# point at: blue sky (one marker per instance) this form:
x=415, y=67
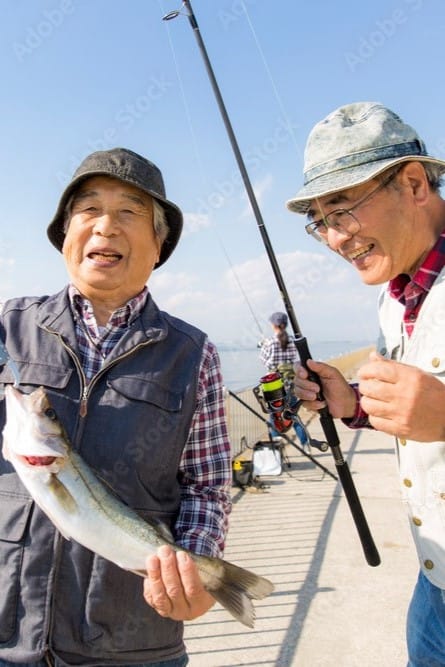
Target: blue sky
x=81, y=75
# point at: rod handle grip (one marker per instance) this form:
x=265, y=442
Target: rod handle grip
x=344, y=474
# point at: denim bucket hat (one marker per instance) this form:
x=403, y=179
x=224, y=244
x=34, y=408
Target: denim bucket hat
x=128, y=167
x=352, y=145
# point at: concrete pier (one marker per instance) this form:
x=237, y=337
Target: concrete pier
x=329, y=607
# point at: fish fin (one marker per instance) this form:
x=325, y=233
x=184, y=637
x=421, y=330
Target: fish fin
x=162, y=529
x=234, y=587
x=62, y=494
x=65, y=498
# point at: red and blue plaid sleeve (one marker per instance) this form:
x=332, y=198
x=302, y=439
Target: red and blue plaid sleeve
x=360, y=418
x=205, y=471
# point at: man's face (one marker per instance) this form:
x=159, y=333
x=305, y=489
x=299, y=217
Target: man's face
x=387, y=239
x=110, y=246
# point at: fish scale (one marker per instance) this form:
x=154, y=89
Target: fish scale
x=83, y=509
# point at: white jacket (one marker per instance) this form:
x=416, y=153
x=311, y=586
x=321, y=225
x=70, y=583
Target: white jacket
x=421, y=464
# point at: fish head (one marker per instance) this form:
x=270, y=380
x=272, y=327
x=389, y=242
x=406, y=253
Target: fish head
x=33, y=437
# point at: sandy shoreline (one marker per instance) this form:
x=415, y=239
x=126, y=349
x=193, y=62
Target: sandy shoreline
x=349, y=363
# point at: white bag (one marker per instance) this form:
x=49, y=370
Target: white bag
x=267, y=459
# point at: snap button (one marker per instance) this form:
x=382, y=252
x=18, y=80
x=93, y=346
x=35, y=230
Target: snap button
x=435, y=361
x=428, y=564
x=407, y=482
x=402, y=441
x=417, y=521
x=383, y=351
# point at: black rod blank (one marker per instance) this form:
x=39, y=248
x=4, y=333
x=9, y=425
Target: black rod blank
x=326, y=420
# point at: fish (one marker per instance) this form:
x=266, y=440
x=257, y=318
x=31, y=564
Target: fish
x=83, y=508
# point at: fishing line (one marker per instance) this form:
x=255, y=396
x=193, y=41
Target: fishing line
x=326, y=419
x=235, y=275
x=204, y=178
x=184, y=100
x=271, y=79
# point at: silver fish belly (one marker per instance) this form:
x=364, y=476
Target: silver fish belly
x=83, y=509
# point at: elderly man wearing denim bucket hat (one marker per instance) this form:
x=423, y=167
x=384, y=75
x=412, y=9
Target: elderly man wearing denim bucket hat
x=140, y=394
x=371, y=193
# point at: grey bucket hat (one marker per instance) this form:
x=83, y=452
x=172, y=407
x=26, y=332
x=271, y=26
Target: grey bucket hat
x=352, y=145
x=129, y=167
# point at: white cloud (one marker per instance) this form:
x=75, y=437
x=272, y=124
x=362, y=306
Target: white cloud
x=194, y=222
x=327, y=296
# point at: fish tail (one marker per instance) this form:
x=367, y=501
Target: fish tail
x=234, y=587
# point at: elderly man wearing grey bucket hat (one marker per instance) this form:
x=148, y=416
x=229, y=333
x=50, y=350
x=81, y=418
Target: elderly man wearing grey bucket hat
x=371, y=193
x=139, y=393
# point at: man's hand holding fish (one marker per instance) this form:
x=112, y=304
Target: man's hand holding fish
x=115, y=443
x=173, y=586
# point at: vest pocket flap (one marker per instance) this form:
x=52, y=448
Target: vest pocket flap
x=37, y=374
x=140, y=389
x=6, y=376
x=14, y=516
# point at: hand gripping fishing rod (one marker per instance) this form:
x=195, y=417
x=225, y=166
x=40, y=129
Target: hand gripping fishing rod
x=326, y=420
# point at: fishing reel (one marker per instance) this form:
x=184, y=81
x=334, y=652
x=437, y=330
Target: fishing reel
x=276, y=398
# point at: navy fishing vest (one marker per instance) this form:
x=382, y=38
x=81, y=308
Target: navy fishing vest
x=130, y=425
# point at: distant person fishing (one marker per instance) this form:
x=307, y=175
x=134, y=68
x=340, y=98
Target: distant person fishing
x=279, y=354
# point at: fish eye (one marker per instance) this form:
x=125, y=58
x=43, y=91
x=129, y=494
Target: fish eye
x=51, y=414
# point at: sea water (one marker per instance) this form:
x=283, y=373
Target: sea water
x=241, y=367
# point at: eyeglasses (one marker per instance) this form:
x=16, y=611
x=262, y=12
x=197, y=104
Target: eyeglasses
x=342, y=219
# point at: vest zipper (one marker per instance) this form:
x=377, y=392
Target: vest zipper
x=86, y=387
x=83, y=402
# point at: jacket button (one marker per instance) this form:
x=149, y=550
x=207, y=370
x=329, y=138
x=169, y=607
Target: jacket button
x=383, y=351
x=435, y=362
x=428, y=564
x=407, y=482
x=417, y=521
x=402, y=441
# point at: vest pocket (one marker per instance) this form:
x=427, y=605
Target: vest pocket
x=117, y=618
x=13, y=520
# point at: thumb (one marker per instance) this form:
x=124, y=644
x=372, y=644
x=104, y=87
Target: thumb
x=322, y=369
x=376, y=356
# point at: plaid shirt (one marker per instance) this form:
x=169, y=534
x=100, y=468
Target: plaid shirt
x=205, y=467
x=411, y=293
x=272, y=355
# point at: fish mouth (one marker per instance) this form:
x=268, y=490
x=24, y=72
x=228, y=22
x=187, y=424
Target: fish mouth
x=39, y=460
x=49, y=464
x=361, y=252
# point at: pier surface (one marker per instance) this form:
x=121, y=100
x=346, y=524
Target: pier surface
x=329, y=607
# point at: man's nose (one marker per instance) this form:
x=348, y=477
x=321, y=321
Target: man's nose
x=337, y=236
x=106, y=224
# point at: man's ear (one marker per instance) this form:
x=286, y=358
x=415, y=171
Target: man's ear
x=414, y=177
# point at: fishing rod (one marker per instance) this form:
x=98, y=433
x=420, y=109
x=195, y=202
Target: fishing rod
x=326, y=420
x=283, y=435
